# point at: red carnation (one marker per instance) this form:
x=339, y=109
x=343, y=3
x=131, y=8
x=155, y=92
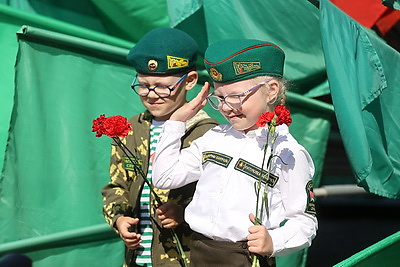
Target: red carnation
x=112, y=126
x=97, y=125
x=117, y=126
x=283, y=115
x=264, y=118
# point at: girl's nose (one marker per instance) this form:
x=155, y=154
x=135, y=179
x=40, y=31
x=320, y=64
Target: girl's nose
x=223, y=107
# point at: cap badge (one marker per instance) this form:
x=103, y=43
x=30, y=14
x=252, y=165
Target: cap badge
x=152, y=65
x=215, y=75
x=245, y=67
x=177, y=62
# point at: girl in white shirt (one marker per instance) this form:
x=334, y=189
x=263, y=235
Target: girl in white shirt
x=227, y=160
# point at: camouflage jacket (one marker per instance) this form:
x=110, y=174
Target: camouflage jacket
x=122, y=194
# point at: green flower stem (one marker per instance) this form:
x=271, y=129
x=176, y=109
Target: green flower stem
x=256, y=262
x=258, y=215
x=264, y=198
x=259, y=212
x=130, y=155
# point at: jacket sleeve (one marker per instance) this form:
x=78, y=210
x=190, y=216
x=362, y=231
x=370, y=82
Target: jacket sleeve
x=121, y=193
x=115, y=193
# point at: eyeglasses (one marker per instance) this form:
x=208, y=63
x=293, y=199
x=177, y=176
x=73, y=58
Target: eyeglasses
x=232, y=101
x=161, y=90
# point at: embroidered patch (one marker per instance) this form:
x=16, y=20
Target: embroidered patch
x=217, y=158
x=215, y=75
x=245, y=67
x=177, y=62
x=310, y=208
x=255, y=172
x=128, y=164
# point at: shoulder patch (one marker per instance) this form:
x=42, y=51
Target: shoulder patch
x=255, y=172
x=310, y=208
x=128, y=163
x=217, y=158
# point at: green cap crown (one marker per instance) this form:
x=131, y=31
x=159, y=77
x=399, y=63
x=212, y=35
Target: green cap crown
x=238, y=59
x=164, y=51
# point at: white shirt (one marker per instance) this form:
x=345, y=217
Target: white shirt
x=223, y=162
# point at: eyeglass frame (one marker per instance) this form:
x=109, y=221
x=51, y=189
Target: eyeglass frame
x=223, y=99
x=172, y=88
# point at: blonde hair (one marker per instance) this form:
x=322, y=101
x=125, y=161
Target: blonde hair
x=280, y=98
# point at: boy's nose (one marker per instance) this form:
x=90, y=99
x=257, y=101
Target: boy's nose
x=152, y=94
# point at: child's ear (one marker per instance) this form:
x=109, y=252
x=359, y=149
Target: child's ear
x=191, y=80
x=273, y=90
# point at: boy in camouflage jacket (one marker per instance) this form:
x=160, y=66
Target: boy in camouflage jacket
x=158, y=66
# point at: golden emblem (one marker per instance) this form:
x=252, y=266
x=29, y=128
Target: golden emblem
x=215, y=75
x=152, y=65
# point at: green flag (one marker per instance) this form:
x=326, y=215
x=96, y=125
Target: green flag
x=298, y=36
x=54, y=166
x=363, y=73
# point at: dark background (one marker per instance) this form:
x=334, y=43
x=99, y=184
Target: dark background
x=348, y=224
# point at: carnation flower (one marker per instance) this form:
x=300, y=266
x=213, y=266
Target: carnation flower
x=283, y=115
x=111, y=126
x=265, y=118
x=279, y=116
x=118, y=127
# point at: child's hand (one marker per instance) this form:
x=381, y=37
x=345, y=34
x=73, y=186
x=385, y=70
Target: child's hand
x=131, y=239
x=170, y=214
x=188, y=110
x=259, y=241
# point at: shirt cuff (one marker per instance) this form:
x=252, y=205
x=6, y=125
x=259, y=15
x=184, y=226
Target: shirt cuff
x=278, y=241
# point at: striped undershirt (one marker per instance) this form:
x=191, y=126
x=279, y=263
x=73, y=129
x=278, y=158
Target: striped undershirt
x=143, y=252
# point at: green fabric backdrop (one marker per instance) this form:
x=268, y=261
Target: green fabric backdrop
x=209, y=21
x=364, y=76
x=54, y=167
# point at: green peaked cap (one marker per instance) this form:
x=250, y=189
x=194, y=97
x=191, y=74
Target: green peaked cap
x=234, y=60
x=164, y=51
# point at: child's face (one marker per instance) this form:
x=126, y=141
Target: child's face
x=253, y=103
x=162, y=108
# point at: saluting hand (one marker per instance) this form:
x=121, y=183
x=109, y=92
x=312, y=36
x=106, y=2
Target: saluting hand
x=188, y=110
